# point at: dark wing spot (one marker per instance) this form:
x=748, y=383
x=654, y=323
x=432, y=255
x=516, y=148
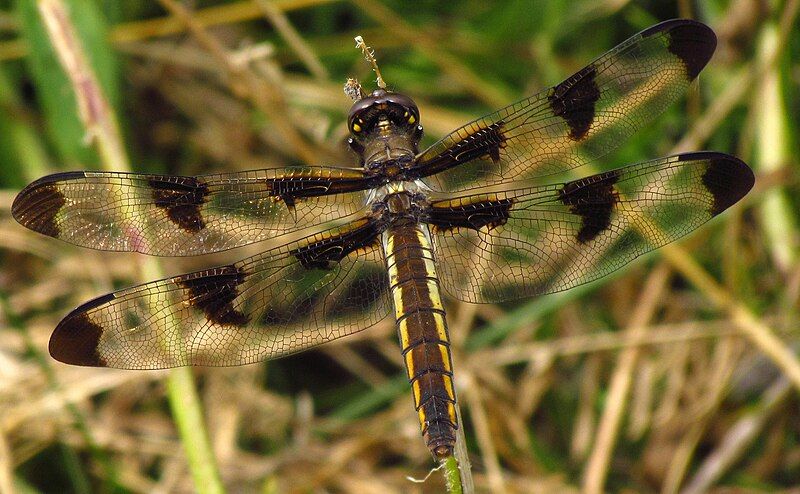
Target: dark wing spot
x=591, y=198
x=324, y=253
x=691, y=41
x=728, y=179
x=489, y=213
x=291, y=188
x=76, y=338
x=486, y=141
x=37, y=206
x=181, y=198
x=574, y=101
x=213, y=292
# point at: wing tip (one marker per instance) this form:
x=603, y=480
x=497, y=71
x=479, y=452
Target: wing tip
x=726, y=177
x=37, y=205
x=76, y=338
x=691, y=41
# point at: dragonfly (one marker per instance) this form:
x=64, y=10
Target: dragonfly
x=491, y=212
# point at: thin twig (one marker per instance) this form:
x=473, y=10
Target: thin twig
x=369, y=56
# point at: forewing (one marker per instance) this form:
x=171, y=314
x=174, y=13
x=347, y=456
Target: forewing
x=579, y=120
x=521, y=243
x=276, y=303
x=174, y=215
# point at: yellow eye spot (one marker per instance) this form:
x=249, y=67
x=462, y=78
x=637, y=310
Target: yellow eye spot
x=411, y=119
x=405, y=114
x=356, y=127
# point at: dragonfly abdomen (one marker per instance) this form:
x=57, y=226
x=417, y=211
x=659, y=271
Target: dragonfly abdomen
x=422, y=329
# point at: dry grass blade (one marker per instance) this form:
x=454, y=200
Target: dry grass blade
x=102, y=128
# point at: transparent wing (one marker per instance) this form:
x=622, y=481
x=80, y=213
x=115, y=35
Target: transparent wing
x=276, y=303
x=521, y=243
x=581, y=119
x=175, y=216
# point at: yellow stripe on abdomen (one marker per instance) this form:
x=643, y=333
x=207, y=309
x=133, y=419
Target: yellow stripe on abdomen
x=422, y=329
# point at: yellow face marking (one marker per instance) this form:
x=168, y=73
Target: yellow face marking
x=411, y=120
x=356, y=127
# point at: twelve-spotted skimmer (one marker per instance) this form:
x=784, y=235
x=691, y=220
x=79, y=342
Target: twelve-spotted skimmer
x=460, y=215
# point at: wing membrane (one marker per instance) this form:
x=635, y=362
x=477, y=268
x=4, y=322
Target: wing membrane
x=526, y=242
x=583, y=118
x=175, y=216
x=276, y=303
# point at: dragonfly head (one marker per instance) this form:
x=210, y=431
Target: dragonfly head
x=383, y=116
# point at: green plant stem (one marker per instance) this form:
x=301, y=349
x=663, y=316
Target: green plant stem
x=452, y=476
x=186, y=411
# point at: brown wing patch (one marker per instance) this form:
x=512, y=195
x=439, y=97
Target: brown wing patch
x=295, y=186
x=694, y=43
x=728, y=179
x=583, y=118
x=76, y=338
x=181, y=198
x=325, y=252
x=574, y=100
x=37, y=206
x=214, y=291
x=475, y=142
x=474, y=212
x=593, y=199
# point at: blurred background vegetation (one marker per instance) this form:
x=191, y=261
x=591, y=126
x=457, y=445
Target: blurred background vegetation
x=677, y=377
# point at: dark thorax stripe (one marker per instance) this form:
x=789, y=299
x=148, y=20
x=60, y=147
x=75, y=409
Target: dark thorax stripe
x=422, y=329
